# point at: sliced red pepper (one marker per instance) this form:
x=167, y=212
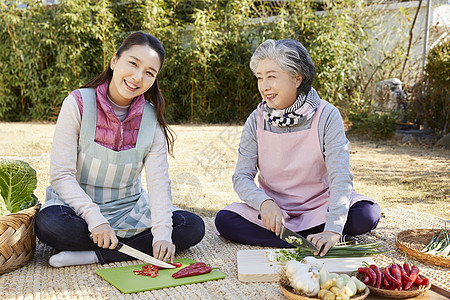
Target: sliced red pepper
x=154, y=273
x=148, y=270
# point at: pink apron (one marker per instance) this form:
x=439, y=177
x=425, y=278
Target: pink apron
x=293, y=173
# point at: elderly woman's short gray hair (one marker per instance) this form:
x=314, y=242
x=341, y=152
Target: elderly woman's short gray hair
x=291, y=56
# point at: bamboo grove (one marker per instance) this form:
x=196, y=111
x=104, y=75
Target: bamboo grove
x=46, y=51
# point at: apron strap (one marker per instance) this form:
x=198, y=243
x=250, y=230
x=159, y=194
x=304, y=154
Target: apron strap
x=89, y=120
x=147, y=127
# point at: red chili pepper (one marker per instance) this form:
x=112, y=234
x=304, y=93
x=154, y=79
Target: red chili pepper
x=137, y=272
x=405, y=277
x=397, y=274
x=386, y=284
x=197, y=264
x=420, y=280
x=407, y=268
x=192, y=267
x=366, y=279
x=392, y=279
x=176, y=265
x=369, y=272
x=413, y=276
x=377, y=274
x=406, y=281
x=192, y=271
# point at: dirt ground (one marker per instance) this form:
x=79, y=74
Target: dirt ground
x=414, y=176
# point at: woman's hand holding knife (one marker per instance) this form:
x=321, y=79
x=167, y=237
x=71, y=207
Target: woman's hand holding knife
x=104, y=236
x=271, y=216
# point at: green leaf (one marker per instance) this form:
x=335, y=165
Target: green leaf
x=17, y=182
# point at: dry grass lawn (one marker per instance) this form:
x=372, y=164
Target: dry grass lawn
x=395, y=174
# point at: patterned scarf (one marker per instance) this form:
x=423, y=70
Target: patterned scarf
x=304, y=107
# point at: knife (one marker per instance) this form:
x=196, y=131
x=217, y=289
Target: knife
x=121, y=247
x=296, y=239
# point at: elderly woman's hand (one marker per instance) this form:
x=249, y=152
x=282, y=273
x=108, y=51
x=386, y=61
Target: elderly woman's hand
x=271, y=216
x=326, y=239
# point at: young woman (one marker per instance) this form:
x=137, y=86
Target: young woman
x=297, y=143
x=106, y=134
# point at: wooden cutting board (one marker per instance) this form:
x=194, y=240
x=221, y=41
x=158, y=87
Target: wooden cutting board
x=126, y=281
x=254, y=266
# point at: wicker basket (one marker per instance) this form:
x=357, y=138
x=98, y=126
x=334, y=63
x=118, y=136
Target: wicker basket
x=411, y=293
x=17, y=239
x=414, y=240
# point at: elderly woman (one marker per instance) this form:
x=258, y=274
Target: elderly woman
x=297, y=143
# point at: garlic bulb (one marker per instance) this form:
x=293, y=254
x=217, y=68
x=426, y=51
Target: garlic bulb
x=314, y=262
x=303, y=278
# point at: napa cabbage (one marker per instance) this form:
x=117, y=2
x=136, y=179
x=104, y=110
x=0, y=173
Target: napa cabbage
x=18, y=181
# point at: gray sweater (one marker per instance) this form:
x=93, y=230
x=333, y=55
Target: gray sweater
x=335, y=149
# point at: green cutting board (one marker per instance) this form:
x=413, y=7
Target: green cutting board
x=126, y=281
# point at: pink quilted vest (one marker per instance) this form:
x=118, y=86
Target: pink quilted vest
x=110, y=132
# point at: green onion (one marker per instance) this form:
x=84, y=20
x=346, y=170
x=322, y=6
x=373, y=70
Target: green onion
x=439, y=244
x=358, y=250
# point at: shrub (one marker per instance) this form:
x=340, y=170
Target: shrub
x=374, y=125
x=47, y=51
x=430, y=96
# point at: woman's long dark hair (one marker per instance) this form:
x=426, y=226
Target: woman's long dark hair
x=153, y=94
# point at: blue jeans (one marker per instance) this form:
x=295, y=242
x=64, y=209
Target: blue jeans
x=61, y=228
x=363, y=216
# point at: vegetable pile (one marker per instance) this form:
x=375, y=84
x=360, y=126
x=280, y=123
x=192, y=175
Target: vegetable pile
x=311, y=279
x=358, y=250
x=17, y=183
x=392, y=277
x=439, y=244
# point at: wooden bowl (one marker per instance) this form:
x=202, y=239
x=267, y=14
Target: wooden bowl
x=289, y=293
x=412, y=242
x=414, y=291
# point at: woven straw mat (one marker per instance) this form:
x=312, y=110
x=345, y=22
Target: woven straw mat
x=37, y=280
